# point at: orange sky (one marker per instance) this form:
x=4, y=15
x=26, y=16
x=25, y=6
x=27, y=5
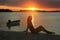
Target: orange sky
x=26, y=6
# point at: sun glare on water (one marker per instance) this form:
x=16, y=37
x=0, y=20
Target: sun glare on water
x=33, y=13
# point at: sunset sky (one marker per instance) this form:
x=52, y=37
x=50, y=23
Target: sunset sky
x=27, y=4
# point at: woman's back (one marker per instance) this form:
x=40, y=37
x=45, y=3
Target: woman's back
x=29, y=24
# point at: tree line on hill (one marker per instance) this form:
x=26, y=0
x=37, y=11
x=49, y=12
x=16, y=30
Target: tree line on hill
x=8, y=10
x=5, y=10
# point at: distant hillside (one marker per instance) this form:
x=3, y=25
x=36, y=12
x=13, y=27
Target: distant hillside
x=5, y=10
x=39, y=11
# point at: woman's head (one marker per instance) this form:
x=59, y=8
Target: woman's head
x=29, y=18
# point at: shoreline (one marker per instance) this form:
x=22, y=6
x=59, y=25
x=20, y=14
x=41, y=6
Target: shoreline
x=12, y=35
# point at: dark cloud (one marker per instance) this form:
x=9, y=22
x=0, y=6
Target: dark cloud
x=49, y=3
x=11, y=2
x=42, y=3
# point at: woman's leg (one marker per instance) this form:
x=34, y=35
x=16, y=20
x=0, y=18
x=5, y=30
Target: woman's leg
x=41, y=28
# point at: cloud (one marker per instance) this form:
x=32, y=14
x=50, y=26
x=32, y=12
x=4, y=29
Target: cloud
x=11, y=2
x=49, y=3
x=41, y=3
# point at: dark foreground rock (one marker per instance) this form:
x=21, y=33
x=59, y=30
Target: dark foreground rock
x=10, y=35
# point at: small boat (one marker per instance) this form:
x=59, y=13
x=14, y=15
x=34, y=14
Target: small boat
x=13, y=23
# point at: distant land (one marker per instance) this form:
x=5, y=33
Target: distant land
x=39, y=11
x=8, y=10
x=5, y=10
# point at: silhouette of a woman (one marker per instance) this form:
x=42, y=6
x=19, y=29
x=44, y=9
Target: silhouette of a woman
x=35, y=30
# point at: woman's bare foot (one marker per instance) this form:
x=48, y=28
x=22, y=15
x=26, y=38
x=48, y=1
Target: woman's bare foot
x=50, y=32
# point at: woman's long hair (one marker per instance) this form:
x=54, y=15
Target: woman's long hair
x=29, y=18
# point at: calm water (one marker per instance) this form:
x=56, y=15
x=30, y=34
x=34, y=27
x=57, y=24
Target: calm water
x=50, y=20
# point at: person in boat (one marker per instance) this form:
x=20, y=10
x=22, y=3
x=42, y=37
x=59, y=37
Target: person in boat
x=35, y=30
